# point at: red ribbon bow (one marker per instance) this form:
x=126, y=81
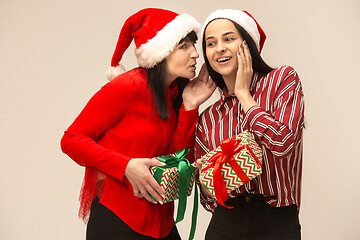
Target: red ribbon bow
x=229, y=149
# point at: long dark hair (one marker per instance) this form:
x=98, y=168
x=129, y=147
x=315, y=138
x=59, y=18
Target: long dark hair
x=156, y=80
x=258, y=64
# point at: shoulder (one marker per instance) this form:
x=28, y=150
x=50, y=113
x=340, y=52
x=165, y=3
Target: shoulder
x=125, y=86
x=131, y=80
x=280, y=77
x=283, y=72
x=286, y=80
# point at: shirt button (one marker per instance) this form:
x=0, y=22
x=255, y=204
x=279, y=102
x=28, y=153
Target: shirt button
x=234, y=133
x=236, y=114
x=248, y=199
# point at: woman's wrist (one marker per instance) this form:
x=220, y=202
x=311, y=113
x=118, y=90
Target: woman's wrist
x=189, y=105
x=242, y=94
x=205, y=191
x=245, y=99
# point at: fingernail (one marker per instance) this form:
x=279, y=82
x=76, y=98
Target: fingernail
x=245, y=43
x=163, y=196
x=241, y=45
x=155, y=202
x=161, y=202
x=238, y=53
x=203, y=160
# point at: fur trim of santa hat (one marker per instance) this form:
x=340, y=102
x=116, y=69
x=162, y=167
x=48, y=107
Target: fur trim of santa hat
x=244, y=19
x=155, y=32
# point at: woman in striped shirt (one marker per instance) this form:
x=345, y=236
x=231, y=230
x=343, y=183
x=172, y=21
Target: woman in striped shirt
x=269, y=104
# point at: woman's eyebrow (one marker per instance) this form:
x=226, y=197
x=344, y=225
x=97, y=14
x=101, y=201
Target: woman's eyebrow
x=228, y=33
x=210, y=37
x=225, y=34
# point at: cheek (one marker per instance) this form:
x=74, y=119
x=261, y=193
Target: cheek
x=176, y=66
x=178, y=61
x=209, y=55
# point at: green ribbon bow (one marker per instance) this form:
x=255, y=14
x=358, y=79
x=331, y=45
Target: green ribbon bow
x=186, y=171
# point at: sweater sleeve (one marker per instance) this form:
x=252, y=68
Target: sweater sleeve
x=106, y=107
x=279, y=130
x=184, y=136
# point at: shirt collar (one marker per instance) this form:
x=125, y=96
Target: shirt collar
x=224, y=96
x=173, y=90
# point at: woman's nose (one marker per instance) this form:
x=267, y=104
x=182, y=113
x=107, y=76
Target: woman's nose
x=220, y=47
x=194, y=53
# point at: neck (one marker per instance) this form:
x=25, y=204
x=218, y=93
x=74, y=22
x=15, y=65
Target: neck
x=230, y=82
x=168, y=81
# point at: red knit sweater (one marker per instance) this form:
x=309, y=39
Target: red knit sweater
x=119, y=123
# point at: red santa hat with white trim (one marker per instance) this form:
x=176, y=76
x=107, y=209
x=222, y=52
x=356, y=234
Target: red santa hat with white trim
x=155, y=32
x=244, y=19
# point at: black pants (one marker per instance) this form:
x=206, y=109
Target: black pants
x=105, y=225
x=252, y=218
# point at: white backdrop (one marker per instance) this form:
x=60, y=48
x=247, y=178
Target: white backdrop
x=53, y=55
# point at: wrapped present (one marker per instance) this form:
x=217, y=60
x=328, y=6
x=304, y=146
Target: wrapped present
x=177, y=179
x=235, y=162
x=169, y=176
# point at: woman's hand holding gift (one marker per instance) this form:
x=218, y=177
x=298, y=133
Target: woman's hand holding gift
x=143, y=183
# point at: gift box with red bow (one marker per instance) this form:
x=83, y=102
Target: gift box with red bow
x=235, y=162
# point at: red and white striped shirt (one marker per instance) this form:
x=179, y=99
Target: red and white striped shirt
x=277, y=126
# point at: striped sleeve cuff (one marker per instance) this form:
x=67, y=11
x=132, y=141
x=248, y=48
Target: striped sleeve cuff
x=251, y=116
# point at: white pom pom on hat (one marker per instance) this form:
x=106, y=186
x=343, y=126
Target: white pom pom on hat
x=244, y=19
x=155, y=32
x=113, y=72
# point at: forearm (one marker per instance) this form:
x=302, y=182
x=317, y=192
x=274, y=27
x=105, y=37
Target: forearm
x=276, y=135
x=208, y=202
x=245, y=99
x=86, y=152
x=278, y=119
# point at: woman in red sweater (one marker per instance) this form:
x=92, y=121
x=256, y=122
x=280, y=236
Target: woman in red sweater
x=139, y=115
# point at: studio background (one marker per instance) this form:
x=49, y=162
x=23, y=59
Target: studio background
x=53, y=55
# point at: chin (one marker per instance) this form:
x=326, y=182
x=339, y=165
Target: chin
x=225, y=71
x=189, y=75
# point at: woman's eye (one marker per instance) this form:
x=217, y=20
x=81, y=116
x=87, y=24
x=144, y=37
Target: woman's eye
x=210, y=44
x=229, y=39
x=183, y=46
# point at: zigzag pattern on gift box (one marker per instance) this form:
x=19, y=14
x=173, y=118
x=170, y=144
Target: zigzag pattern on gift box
x=255, y=147
x=207, y=178
x=170, y=180
x=211, y=153
x=247, y=164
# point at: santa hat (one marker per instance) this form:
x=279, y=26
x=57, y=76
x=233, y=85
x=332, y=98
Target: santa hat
x=244, y=19
x=155, y=32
